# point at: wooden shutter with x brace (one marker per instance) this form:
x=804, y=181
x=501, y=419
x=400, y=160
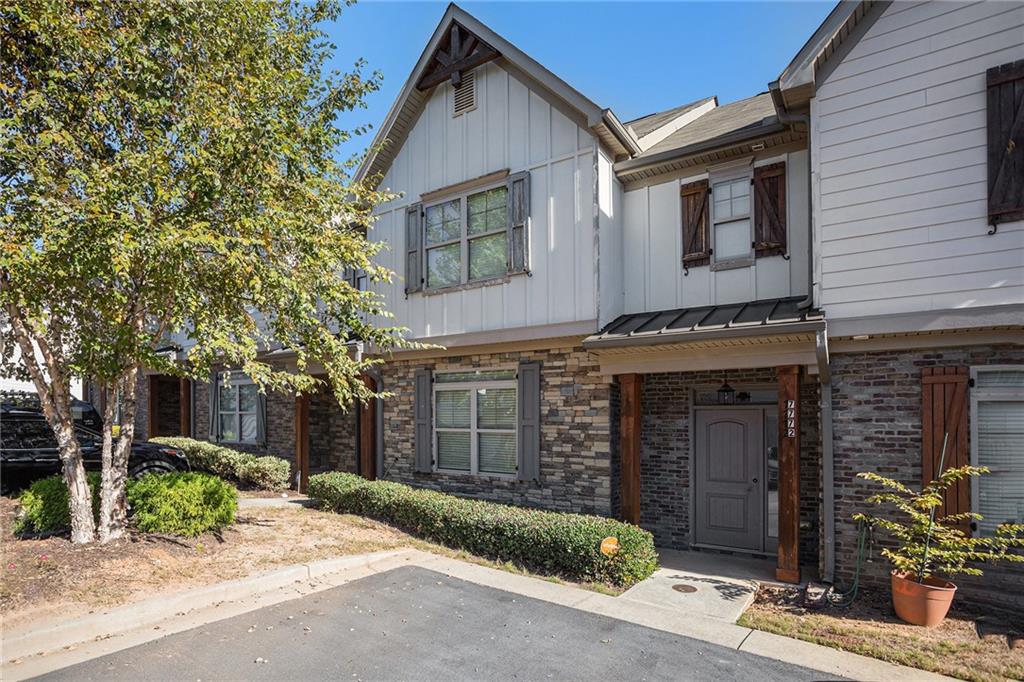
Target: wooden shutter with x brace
x=695, y=224
x=770, y=210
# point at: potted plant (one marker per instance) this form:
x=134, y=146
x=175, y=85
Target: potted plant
x=928, y=545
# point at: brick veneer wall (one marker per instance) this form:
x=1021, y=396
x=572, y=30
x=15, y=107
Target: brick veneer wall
x=332, y=434
x=575, y=448
x=665, y=467
x=876, y=400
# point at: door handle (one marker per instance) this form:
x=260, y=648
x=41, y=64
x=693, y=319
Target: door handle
x=755, y=480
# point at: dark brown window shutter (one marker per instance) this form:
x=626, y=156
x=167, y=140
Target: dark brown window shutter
x=1005, y=143
x=770, y=210
x=695, y=224
x=944, y=409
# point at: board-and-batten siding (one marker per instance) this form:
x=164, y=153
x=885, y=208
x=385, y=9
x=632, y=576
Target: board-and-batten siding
x=515, y=128
x=652, y=250
x=899, y=139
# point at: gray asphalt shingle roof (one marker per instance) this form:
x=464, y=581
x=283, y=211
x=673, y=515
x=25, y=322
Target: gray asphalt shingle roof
x=728, y=118
x=645, y=125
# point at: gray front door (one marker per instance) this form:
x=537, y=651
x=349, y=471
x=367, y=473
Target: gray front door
x=729, y=453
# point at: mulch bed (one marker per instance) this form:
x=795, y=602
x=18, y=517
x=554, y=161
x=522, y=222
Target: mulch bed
x=972, y=643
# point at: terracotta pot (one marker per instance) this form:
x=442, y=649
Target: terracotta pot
x=921, y=603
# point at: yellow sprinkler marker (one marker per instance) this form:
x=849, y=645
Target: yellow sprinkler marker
x=610, y=546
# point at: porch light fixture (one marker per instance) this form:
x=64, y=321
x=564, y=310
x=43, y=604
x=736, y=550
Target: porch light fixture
x=726, y=393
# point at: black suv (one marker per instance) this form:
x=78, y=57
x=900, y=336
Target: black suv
x=28, y=449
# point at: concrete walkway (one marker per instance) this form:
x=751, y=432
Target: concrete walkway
x=293, y=500
x=718, y=586
x=62, y=643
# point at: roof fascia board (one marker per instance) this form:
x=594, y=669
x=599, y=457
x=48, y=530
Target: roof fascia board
x=658, y=134
x=721, y=141
x=800, y=69
x=628, y=140
x=872, y=14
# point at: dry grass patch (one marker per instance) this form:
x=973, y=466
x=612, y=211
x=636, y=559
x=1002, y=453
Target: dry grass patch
x=969, y=644
x=49, y=576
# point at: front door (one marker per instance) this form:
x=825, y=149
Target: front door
x=728, y=491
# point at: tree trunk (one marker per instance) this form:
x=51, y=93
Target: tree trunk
x=113, y=499
x=83, y=528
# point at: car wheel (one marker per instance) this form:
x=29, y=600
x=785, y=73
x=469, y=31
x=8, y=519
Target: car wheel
x=153, y=466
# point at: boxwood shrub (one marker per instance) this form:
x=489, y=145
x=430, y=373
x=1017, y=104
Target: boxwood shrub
x=188, y=504
x=45, y=506
x=265, y=473
x=549, y=542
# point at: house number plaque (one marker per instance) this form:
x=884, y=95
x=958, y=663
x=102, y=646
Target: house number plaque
x=790, y=419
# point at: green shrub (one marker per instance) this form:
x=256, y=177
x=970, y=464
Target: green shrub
x=181, y=503
x=45, y=507
x=267, y=473
x=551, y=542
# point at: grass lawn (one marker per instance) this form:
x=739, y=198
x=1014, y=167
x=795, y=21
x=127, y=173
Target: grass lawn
x=50, y=576
x=969, y=644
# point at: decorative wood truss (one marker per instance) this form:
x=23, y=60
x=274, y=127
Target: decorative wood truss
x=459, y=51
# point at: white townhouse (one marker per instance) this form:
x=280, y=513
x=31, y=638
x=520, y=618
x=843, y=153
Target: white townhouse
x=707, y=320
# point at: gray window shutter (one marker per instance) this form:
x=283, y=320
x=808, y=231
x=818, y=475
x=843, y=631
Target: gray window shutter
x=529, y=421
x=518, y=222
x=214, y=405
x=413, y=248
x=261, y=418
x=422, y=408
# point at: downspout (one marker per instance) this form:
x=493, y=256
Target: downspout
x=789, y=118
x=827, y=456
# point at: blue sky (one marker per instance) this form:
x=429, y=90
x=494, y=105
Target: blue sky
x=633, y=57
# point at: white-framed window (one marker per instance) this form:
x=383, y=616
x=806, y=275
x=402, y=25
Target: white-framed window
x=997, y=435
x=731, y=232
x=237, y=408
x=475, y=417
x=466, y=238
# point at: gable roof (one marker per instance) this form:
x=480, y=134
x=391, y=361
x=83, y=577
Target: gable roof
x=848, y=21
x=648, y=124
x=411, y=99
x=730, y=118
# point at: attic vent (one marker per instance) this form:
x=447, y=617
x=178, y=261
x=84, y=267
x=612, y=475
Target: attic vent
x=465, y=94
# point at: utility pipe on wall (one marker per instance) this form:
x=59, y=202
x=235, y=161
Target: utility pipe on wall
x=827, y=457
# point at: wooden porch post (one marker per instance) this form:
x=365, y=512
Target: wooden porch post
x=185, y=406
x=368, y=433
x=788, y=569
x=153, y=425
x=629, y=433
x=302, y=440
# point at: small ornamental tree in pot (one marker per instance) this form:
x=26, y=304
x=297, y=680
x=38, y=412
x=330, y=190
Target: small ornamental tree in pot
x=929, y=545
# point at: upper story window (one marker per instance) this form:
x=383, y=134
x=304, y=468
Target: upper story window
x=731, y=238
x=477, y=234
x=734, y=217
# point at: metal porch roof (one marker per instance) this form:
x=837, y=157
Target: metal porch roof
x=756, y=318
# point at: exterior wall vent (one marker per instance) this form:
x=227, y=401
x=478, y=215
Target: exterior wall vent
x=465, y=94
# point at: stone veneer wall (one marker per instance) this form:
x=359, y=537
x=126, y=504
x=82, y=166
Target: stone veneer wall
x=575, y=448
x=876, y=400
x=665, y=471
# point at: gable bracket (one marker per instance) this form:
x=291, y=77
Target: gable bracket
x=461, y=51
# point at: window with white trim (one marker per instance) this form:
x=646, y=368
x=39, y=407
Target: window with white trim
x=466, y=238
x=730, y=219
x=239, y=403
x=997, y=432
x=475, y=422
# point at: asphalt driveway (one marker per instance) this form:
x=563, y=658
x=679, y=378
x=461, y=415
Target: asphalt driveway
x=414, y=624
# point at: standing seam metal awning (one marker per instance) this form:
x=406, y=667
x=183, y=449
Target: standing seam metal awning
x=756, y=318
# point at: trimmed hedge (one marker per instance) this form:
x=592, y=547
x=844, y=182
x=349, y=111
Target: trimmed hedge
x=45, y=505
x=178, y=504
x=551, y=542
x=186, y=504
x=265, y=473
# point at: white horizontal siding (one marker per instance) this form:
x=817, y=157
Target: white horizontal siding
x=652, y=251
x=515, y=128
x=899, y=138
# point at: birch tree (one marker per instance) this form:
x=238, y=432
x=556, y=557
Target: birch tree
x=168, y=169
